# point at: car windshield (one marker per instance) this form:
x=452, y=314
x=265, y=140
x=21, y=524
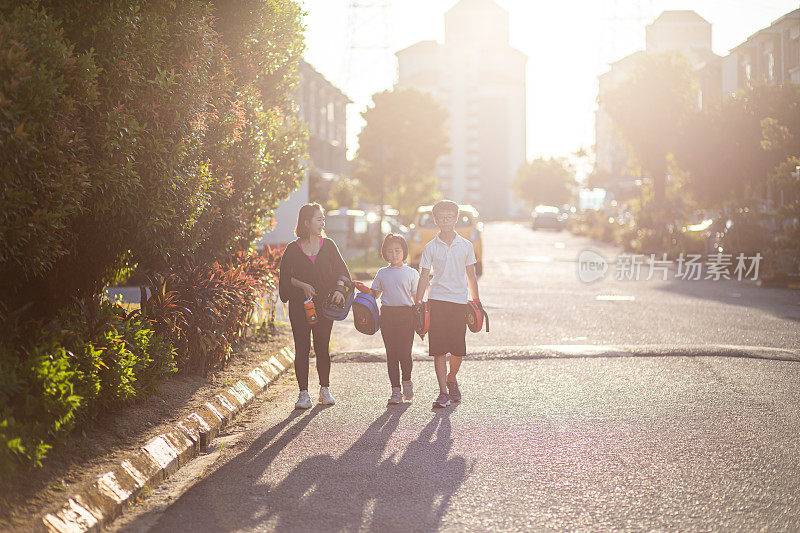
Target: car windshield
x=426, y=220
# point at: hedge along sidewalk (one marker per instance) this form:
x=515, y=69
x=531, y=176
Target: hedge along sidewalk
x=163, y=455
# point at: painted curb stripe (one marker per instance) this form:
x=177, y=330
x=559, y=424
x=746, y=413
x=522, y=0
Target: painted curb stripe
x=164, y=454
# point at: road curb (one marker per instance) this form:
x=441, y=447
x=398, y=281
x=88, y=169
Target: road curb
x=567, y=351
x=162, y=456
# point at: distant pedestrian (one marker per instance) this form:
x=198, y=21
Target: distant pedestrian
x=396, y=285
x=451, y=259
x=310, y=268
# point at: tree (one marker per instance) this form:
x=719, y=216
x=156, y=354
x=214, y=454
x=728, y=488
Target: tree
x=185, y=143
x=730, y=147
x=545, y=182
x=599, y=178
x=45, y=93
x=781, y=139
x=402, y=139
x=787, y=184
x=259, y=159
x=649, y=108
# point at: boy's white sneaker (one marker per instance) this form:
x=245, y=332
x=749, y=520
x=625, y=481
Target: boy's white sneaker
x=442, y=401
x=325, y=397
x=303, y=400
x=396, y=397
x=408, y=390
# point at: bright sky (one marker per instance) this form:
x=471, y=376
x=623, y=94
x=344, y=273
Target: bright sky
x=568, y=45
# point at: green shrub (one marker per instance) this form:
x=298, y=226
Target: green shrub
x=92, y=359
x=133, y=134
x=37, y=403
x=46, y=91
x=625, y=236
x=188, y=145
x=599, y=226
x=162, y=77
x=204, y=308
x=689, y=242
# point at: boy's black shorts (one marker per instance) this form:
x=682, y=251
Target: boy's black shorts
x=448, y=329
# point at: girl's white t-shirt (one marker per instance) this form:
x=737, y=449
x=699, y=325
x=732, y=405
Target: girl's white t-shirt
x=398, y=285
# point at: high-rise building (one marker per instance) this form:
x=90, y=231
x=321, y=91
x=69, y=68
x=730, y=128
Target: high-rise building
x=480, y=80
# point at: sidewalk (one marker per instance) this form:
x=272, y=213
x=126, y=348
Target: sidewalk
x=91, y=452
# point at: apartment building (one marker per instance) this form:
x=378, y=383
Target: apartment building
x=480, y=79
x=322, y=107
x=770, y=56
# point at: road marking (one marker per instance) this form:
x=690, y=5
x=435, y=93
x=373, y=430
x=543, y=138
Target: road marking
x=538, y=259
x=560, y=245
x=505, y=269
x=614, y=298
x=736, y=295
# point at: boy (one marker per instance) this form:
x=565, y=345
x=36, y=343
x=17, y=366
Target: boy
x=451, y=258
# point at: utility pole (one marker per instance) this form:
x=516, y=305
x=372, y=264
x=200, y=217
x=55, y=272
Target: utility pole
x=382, y=192
x=368, y=62
x=623, y=27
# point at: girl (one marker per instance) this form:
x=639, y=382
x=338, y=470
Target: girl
x=396, y=285
x=310, y=268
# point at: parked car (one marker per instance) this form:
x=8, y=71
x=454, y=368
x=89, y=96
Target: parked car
x=424, y=229
x=548, y=217
x=355, y=230
x=349, y=228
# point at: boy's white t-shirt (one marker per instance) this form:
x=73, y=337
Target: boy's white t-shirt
x=448, y=264
x=398, y=285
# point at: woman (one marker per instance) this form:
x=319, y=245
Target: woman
x=310, y=268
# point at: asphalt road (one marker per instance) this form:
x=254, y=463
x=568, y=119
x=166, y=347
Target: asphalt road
x=533, y=295
x=656, y=427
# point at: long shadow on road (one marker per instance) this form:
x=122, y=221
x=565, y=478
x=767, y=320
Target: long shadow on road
x=781, y=303
x=361, y=488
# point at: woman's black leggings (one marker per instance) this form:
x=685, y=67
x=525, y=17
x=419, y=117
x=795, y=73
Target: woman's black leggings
x=397, y=330
x=302, y=333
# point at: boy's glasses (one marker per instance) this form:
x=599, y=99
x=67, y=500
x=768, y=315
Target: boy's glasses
x=446, y=218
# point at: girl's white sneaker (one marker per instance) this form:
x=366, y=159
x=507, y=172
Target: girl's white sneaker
x=396, y=397
x=408, y=390
x=303, y=400
x=325, y=397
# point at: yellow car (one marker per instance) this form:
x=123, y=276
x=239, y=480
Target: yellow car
x=424, y=229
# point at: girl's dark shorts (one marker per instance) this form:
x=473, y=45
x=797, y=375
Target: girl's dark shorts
x=448, y=329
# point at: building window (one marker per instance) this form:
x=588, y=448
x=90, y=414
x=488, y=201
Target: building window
x=770, y=66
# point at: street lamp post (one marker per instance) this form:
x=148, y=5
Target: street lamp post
x=795, y=175
x=381, y=194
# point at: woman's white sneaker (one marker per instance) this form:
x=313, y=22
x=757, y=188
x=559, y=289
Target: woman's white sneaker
x=396, y=397
x=408, y=390
x=303, y=400
x=325, y=397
